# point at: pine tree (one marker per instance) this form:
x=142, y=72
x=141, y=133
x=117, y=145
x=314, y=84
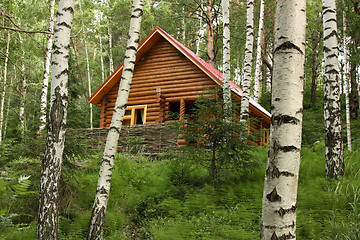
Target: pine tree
x=281, y=179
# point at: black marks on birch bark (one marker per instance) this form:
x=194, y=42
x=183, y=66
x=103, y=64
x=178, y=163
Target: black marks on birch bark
x=65, y=24
x=288, y=45
x=273, y=196
x=282, y=237
x=63, y=72
x=70, y=9
x=276, y=173
x=283, y=211
x=332, y=34
x=57, y=115
x=280, y=119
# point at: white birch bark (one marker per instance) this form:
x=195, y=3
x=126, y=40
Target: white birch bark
x=87, y=68
x=101, y=60
x=281, y=179
x=13, y=76
x=48, y=214
x=346, y=85
x=332, y=115
x=103, y=187
x=258, y=52
x=226, y=61
x=23, y=90
x=47, y=58
x=111, y=61
x=244, y=112
x=4, y=85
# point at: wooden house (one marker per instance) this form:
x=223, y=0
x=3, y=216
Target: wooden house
x=167, y=77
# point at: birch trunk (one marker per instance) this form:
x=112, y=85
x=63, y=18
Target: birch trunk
x=87, y=69
x=47, y=58
x=244, y=112
x=13, y=76
x=332, y=115
x=210, y=34
x=101, y=60
x=103, y=187
x=258, y=52
x=346, y=85
x=23, y=90
x=4, y=85
x=226, y=62
x=48, y=214
x=111, y=61
x=281, y=179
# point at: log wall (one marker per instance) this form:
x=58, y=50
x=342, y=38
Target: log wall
x=166, y=68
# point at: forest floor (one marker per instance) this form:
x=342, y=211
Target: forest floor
x=171, y=198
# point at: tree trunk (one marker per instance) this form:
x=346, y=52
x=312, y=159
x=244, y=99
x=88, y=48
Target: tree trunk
x=210, y=34
x=244, y=112
x=48, y=214
x=47, y=58
x=101, y=60
x=258, y=52
x=315, y=38
x=103, y=187
x=4, y=85
x=87, y=69
x=354, y=93
x=226, y=62
x=23, y=91
x=281, y=179
x=332, y=114
x=111, y=61
x=200, y=34
x=346, y=85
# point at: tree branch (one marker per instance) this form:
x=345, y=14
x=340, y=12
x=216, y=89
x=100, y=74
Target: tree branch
x=24, y=31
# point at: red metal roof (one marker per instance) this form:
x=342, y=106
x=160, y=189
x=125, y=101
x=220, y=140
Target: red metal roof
x=156, y=34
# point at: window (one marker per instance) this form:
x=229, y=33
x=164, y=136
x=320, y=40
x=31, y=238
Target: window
x=135, y=115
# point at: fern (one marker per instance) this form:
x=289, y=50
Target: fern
x=23, y=185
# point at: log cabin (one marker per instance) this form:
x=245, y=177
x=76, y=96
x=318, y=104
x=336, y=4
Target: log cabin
x=168, y=77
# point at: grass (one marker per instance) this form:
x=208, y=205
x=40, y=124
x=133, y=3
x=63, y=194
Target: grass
x=171, y=199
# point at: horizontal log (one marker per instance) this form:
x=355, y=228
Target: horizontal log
x=177, y=79
x=169, y=65
x=181, y=72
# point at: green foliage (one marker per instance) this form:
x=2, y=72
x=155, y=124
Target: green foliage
x=220, y=144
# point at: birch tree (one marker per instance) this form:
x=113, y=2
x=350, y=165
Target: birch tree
x=111, y=61
x=47, y=58
x=281, y=179
x=332, y=115
x=23, y=89
x=103, y=186
x=346, y=85
x=226, y=61
x=4, y=85
x=244, y=112
x=48, y=214
x=87, y=68
x=258, y=52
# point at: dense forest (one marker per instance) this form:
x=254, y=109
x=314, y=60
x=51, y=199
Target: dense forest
x=54, y=56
